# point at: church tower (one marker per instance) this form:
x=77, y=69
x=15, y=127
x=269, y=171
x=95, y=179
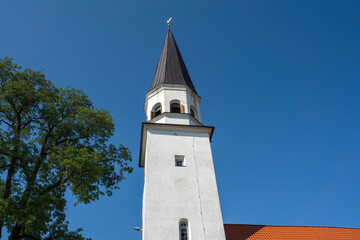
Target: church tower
x=180, y=198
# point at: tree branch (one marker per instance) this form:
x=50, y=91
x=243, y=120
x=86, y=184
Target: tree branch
x=13, y=105
x=51, y=187
x=6, y=123
x=55, y=185
x=31, y=120
x=25, y=236
x=1, y=167
x=4, y=153
x=71, y=140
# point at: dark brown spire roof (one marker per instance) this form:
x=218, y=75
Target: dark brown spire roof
x=171, y=68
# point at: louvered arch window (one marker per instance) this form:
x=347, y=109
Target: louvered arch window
x=183, y=229
x=175, y=107
x=156, y=111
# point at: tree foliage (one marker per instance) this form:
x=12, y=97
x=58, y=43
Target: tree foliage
x=51, y=140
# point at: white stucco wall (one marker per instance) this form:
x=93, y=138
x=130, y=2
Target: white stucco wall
x=167, y=93
x=172, y=193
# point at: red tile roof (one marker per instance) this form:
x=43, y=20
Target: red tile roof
x=269, y=232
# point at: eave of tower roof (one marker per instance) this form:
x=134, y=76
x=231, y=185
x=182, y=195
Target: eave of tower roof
x=171, y=68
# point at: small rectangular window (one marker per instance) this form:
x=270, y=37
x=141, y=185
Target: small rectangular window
x=179, y=161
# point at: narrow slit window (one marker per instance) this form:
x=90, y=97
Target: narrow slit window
x=183, y=230
x=193, y=111
x=179, y=161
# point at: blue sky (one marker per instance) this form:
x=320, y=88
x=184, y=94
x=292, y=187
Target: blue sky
x=278, y=79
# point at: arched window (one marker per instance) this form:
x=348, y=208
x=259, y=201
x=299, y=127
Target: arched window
x=183, y=230
x=156, y=111
x=175, y=107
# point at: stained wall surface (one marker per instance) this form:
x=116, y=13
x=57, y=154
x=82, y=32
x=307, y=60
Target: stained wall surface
x=173, y=193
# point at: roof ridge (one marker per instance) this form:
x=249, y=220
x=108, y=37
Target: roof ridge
x=287, y=226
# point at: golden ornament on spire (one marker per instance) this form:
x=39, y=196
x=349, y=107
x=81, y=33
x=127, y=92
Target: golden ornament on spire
x=168, y=21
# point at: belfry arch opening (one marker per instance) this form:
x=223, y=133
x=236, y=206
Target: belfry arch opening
x=156, y=110
x=175, y=107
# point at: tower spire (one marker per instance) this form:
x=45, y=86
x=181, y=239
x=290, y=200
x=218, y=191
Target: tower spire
x=171, y=68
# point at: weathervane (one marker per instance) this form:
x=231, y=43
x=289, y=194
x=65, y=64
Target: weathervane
x=168, y=21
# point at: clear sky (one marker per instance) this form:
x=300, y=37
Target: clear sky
x=279, y=80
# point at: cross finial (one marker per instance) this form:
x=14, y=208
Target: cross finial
x=168, y=22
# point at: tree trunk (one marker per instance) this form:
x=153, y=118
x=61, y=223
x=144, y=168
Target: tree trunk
x=7, y=189
x=15, y=234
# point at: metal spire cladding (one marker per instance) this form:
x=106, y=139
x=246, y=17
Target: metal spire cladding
x=171, y=68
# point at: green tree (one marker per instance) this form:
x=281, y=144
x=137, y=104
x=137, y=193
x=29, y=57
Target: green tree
x=51, y=140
